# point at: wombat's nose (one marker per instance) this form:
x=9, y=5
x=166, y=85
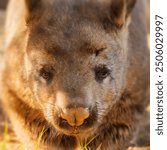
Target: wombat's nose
x=75, y=116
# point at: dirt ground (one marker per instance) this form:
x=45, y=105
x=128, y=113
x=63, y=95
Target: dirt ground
x=142, y=135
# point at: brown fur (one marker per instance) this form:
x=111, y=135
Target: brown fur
x=72, y=44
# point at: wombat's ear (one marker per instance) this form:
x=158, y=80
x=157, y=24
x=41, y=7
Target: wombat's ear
x=32, y=8
x=120, y=10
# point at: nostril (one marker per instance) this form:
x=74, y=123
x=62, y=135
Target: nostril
x=75, y=116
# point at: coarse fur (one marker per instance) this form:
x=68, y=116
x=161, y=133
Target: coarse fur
x=82, y=53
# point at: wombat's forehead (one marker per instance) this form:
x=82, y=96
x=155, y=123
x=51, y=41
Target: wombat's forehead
x=71, y=35
x=71, y=26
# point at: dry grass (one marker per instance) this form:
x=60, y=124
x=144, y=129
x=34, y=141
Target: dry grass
x=3, y=143
x=6, y=142
x=84, y=144
x=6, y=136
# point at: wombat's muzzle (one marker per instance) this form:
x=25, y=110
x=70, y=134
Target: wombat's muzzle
x=75, y=116
x=75, y=119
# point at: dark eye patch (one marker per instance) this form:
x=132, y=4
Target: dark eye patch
x=101, y=72
x=98, y=51
x=46, y=74
x=92, y=49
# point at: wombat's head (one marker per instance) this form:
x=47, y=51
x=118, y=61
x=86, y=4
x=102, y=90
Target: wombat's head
x=76, y=59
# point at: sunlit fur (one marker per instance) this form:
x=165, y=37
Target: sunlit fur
x=71, y=38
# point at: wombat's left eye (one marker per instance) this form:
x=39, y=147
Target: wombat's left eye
x=46, y=74
x=101, y=72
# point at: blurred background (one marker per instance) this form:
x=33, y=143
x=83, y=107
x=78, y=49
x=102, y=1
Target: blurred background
x=3, y=4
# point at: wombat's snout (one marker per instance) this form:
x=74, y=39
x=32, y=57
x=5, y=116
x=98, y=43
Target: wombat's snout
x=75, y=116
x=74, y=113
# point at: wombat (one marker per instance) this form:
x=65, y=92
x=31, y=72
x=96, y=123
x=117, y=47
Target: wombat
x=77, y=69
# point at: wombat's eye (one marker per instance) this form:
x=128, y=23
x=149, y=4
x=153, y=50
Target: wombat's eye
x=46, y=74
x=101, y=72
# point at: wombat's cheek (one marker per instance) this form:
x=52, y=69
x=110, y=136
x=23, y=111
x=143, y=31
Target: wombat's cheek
x=105, y=99
x=48, y=111
x=45, y=99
